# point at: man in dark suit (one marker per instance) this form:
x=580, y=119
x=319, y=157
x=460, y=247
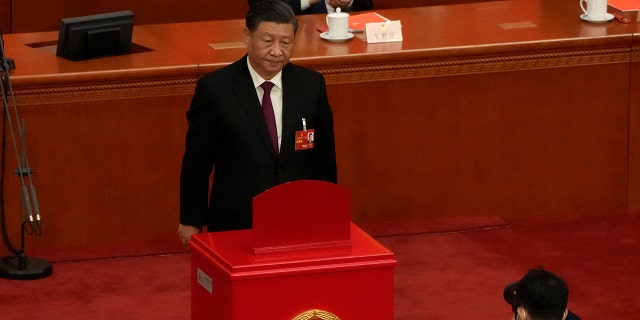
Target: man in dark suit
x=325, y=6
x=229, y=136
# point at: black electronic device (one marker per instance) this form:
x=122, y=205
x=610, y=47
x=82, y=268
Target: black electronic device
x=510, y=295
x=95, y=36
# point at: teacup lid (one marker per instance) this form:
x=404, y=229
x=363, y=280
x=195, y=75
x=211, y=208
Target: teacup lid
x=338, y=13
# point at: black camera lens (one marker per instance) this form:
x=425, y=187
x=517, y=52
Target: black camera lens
x=509, y=294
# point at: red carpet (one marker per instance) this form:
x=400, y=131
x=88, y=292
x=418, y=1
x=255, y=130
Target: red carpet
x=452, y=275
x=461, y=276
x=154, y=287
x=433, y=225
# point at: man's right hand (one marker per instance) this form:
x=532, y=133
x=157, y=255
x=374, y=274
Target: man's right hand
x=185, y=232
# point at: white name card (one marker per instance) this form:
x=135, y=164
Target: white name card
x=389, y=31
x=205, y=281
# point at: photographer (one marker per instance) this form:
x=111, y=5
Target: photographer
x=539, y=295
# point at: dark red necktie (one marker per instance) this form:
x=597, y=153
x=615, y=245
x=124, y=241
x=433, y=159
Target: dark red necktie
x=269, y=116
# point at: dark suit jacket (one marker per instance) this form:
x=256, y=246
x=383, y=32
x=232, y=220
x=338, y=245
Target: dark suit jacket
x=320, y=7
x=228, y=134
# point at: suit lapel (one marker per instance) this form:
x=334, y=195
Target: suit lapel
x=319, y=7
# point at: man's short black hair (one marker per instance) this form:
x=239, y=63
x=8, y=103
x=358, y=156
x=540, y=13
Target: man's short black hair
x=542, y=294
x=270, y=11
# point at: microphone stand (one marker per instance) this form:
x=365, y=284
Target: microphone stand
x=19, y=266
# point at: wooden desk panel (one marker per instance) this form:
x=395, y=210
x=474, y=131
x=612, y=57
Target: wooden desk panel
x=480, y=145
x=105, y=138
x=634, y=125
x=19, y=16
x=494, y=120
x=106, y=171
x=5, y=16
x=392, y=4
x=45, y=15
x=486, y=116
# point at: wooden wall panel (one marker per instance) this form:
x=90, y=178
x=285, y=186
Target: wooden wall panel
x=104, y=137
x=554, y=141
x=634, y=125
x=390, y=4
x=5, y=16
x=45, y=15
x=106, y=172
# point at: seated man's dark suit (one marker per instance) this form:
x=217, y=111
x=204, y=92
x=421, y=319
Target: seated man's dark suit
x=321, y=7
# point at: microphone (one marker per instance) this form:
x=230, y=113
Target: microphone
x=20, y=266
x=36, y=207
x=29, y=198
x=1, y=45
x=30, y=203
x=28, y=195
x=7, y=63
x=26, y=204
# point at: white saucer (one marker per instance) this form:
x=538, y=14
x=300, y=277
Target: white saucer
x=607, y=17
x=326, y=36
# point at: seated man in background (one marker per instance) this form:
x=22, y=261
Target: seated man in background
x=325, y=6
x=539, y=295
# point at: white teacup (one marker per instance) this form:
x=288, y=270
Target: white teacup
x=595, y=9
x=338, y=23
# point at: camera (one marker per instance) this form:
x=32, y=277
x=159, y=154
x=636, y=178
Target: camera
x=510, y=295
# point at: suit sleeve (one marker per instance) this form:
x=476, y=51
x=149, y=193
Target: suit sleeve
x=361, y=5
x=327, y=167
x=198, y=159
x=296, y=5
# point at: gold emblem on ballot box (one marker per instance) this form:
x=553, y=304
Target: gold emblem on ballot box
x=316, y=314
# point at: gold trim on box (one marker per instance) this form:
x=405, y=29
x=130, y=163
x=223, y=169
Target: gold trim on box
x=316, y=314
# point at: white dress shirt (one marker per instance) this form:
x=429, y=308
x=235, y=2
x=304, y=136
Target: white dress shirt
x=276, y=95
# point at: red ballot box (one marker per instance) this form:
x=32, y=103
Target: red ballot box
x=307, y=262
